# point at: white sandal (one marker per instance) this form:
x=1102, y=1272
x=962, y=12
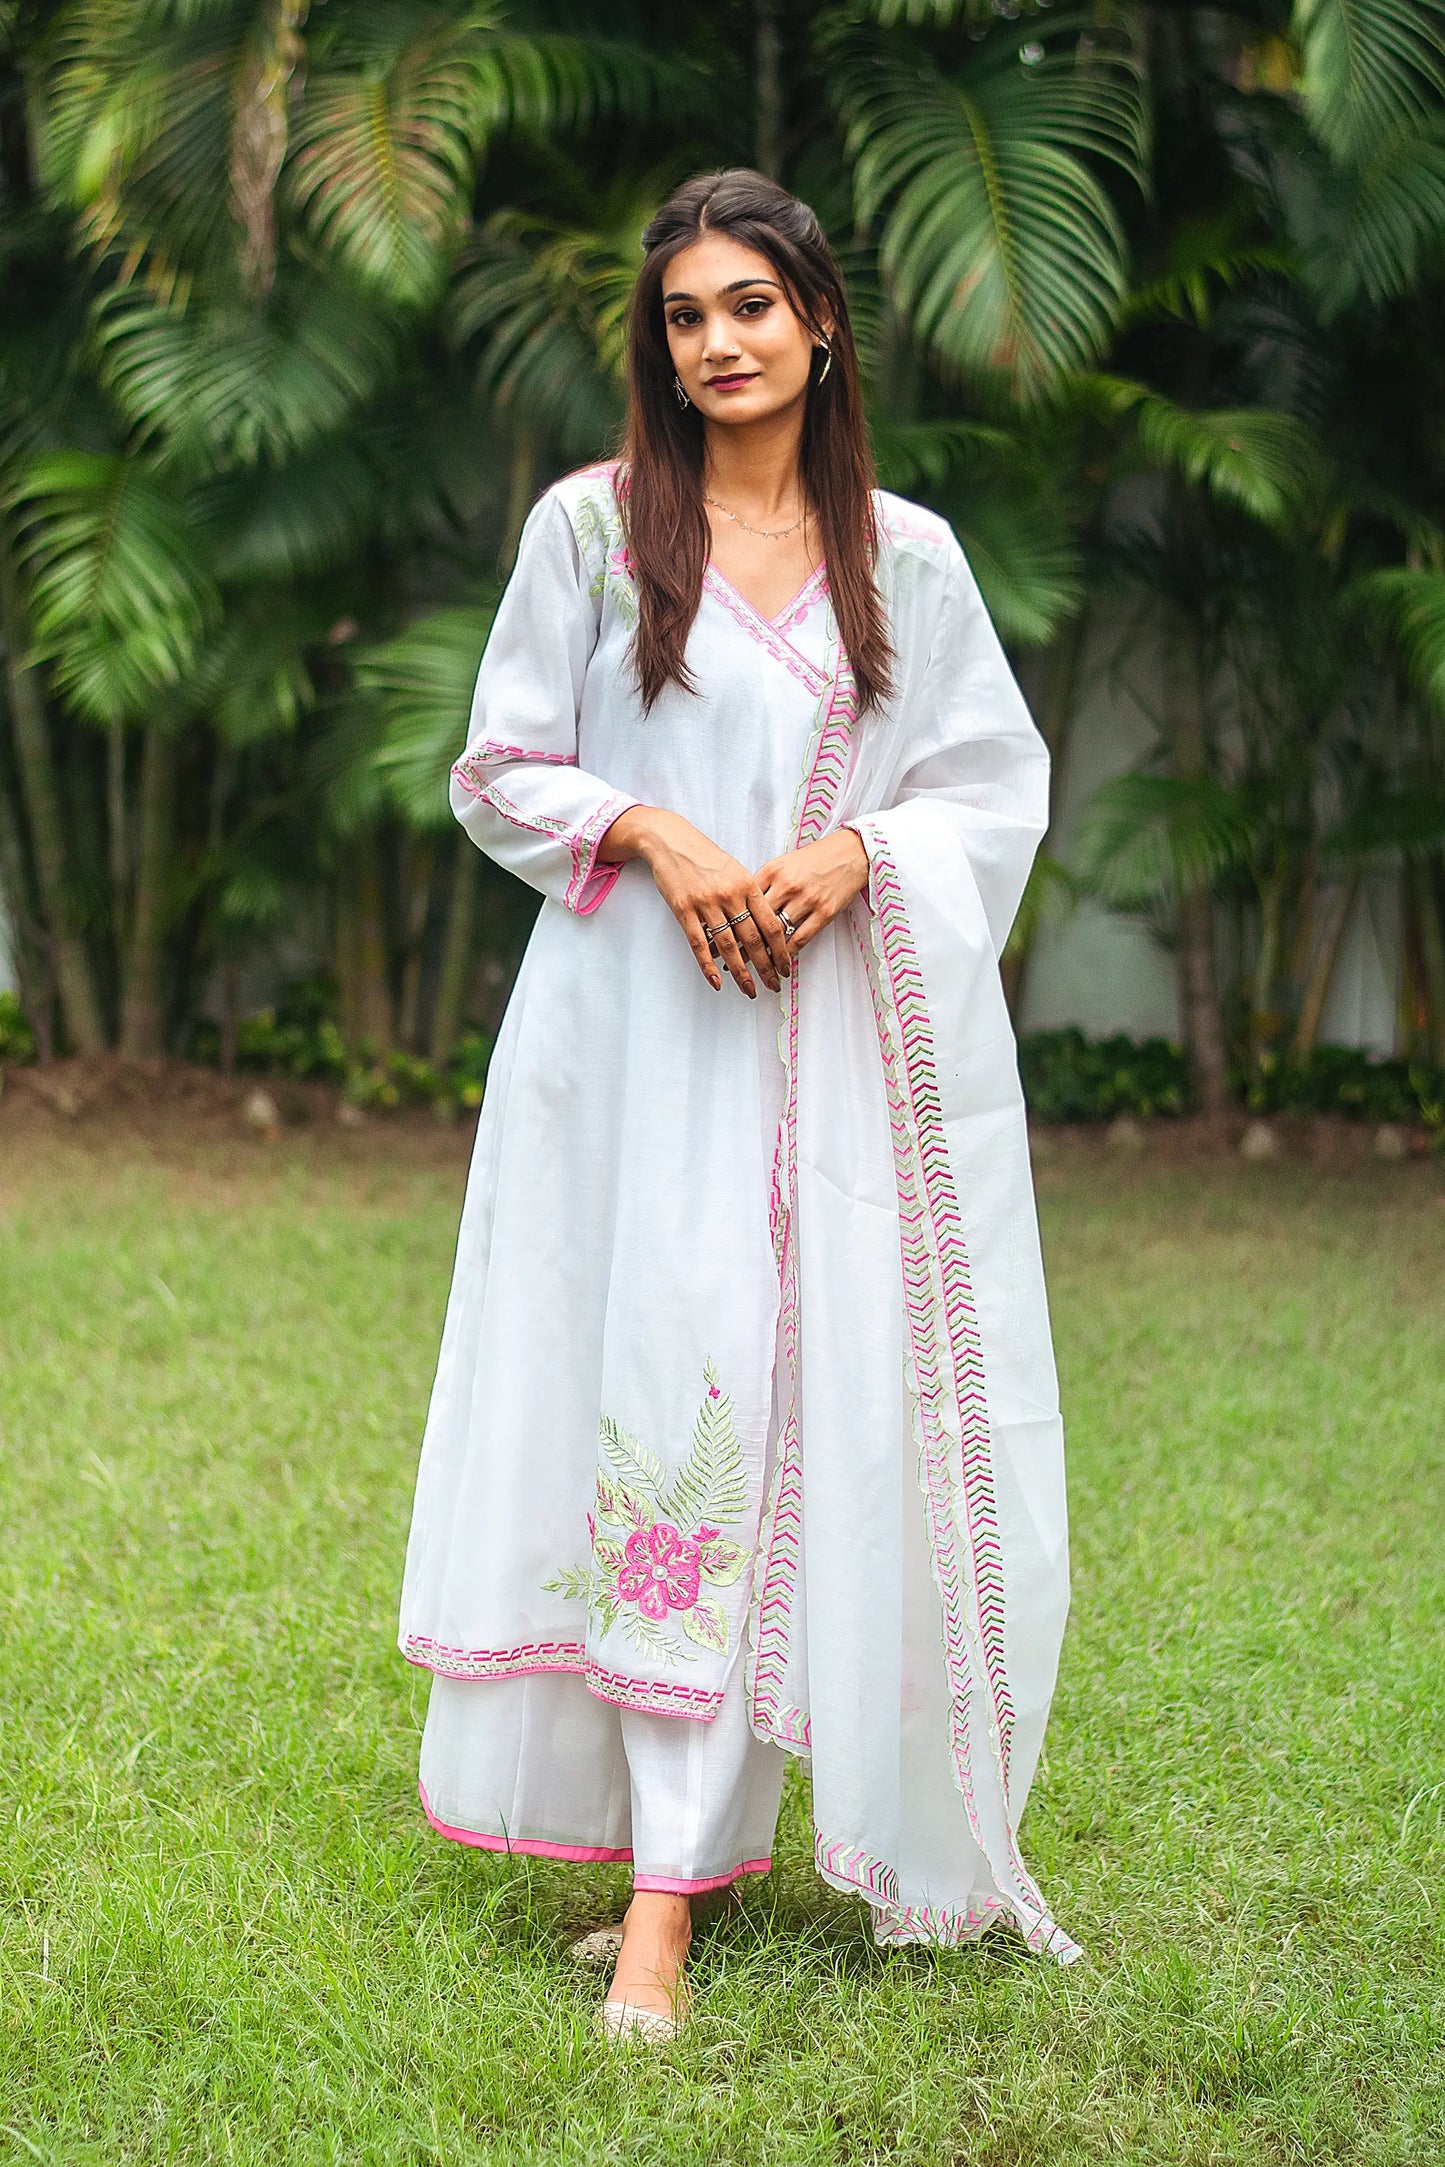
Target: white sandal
x=624, y=2023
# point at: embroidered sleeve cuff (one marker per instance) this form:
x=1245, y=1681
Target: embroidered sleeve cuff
x=592, y=881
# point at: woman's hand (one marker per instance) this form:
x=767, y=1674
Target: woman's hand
x=703, y=887
x=809, y=887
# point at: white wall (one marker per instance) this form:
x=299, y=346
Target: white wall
x=1107, y=973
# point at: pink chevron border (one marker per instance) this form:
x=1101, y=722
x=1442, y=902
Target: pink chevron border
x=660, y=1697
x=946, y=1361
x=780, y=1540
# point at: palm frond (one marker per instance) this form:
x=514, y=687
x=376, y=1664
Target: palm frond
x=1267, y=464
x=1385, y=222
x=546, y=304
x=928, y=455
x=1369, y=67
x=1202, y=255
x=252, y=678
x=278, y=524
x=997, y=238
x=384, y=150
x=117, y=586
x=223, y=384
x=1407, y=607
x=1148, y=838
x=1024, y=557
x=422, y=684
x=1392, y=824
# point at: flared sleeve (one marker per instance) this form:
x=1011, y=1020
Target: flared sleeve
x=976, y=782
x=518, y=789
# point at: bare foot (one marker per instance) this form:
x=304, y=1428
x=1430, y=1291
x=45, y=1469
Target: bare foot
x=651, y=1966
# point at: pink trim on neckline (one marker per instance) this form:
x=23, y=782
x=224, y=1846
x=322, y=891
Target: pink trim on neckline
x=584, y=1854
x=780, y=617
x=767, y=632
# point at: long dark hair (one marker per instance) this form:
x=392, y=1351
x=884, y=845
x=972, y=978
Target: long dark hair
x=661, y=481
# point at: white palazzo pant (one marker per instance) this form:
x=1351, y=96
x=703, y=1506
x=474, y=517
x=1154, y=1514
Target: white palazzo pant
x=538, y=1764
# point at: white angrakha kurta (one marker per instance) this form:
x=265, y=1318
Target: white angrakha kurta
x=745, y=1427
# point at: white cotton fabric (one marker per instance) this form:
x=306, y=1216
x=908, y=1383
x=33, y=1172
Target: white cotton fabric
x=746, y=1371
x=540, y=1764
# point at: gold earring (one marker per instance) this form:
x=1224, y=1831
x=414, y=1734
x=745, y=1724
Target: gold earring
x=678, y=393
x=825, y=346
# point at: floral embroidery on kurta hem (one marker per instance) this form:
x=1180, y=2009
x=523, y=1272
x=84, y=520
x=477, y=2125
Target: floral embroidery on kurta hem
x=657, y=1545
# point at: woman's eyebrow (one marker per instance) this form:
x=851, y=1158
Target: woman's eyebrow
x=736, y=287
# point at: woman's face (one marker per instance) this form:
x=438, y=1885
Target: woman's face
x=741, y=352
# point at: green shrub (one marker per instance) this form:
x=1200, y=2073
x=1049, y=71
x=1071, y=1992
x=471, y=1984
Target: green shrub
x=17, y=1040
x=1347, y=1080
x=1066, y=1077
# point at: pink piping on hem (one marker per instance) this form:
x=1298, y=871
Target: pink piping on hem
x=662, y=1885
x=585, y=1854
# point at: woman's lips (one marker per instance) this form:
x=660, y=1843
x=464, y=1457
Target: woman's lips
x=731, y=383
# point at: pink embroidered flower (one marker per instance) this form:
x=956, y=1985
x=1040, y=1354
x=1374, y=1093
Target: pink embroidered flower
x=662, y=1571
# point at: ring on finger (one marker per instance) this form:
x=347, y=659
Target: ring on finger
x=786, y=923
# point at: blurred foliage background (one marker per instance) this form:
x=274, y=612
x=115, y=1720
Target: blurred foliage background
x=302, y=304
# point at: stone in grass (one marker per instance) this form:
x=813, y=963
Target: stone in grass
x=1124, y=1133
x=260, y=1112
x=1391, y=1142
x=1259, y=1142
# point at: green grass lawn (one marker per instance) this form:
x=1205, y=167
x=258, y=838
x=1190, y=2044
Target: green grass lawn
x=229, y=1936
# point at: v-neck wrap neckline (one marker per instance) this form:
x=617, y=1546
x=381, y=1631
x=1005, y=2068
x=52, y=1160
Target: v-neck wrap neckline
x=771, y=633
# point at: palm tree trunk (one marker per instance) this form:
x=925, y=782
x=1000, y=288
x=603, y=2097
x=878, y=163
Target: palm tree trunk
x=1262, y=1012
x=1432, y=952
x=1336, y=917
x=361, y=945
x=420, y=873
x=457, y=955
x=80, y=1014
x=32, y=972
x=1199, y=1008
x=117, y=852
x=143, y=994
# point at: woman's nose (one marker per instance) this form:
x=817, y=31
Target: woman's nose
x=721, y=338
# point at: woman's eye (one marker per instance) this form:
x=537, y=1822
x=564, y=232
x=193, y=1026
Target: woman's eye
x=684, y=319
x=754, y=306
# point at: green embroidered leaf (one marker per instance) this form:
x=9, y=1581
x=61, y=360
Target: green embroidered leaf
x=632, y=1510
x=635, y=1465
x=650, y=1640
x=707, y=1624
x=711, y=1483
x=606, y=1498
x=721, y=1561
x=607, y=1612
x=610, y=1555
x=575, y=1582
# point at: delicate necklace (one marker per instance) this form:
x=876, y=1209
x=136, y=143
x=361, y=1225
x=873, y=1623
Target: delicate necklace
x=765, y=534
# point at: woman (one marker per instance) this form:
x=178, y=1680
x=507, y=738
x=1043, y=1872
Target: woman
x=744, y=1439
